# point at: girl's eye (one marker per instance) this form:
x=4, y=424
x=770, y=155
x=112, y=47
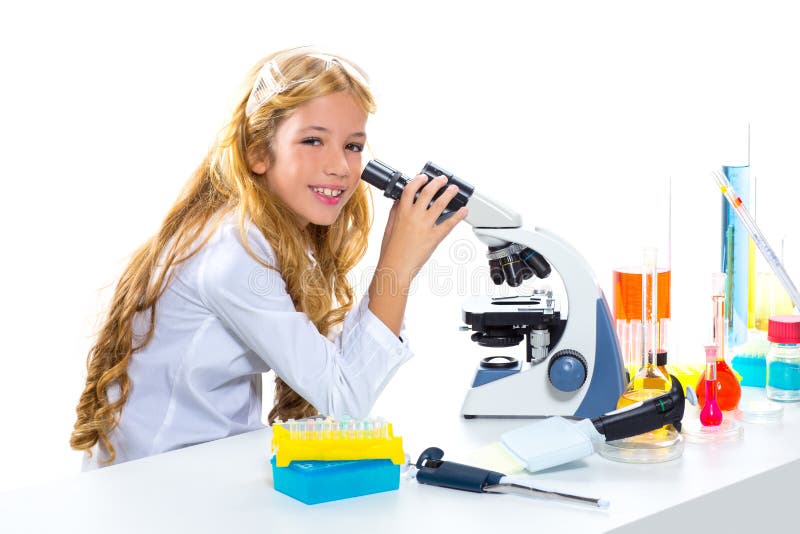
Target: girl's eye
x=313, y=141
x=355, y=147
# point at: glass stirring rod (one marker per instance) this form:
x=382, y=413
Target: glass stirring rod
x=757, y=236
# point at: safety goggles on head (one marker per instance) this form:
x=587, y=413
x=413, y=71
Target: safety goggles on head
x=271, y=81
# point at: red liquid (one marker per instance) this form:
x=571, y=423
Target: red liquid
x=728, y=389
x=711, y=415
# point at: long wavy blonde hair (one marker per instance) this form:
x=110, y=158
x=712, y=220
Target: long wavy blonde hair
x=224, y=183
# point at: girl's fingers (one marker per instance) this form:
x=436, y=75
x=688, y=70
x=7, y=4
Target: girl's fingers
x=411, y=188
x=446, y=226
x=426, y=195
x=444, y=199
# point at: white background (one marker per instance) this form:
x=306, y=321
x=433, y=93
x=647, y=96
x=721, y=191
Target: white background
x=571, y=113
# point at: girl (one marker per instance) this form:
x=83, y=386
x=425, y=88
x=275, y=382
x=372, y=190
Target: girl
x=248, y=274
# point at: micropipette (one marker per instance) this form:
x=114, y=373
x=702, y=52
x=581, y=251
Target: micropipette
x=757, y=237
x=434, y=471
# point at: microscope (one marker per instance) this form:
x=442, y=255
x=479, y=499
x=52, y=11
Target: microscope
x=572, y=364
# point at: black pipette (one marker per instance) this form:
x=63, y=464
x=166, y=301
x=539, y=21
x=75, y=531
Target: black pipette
x=644, y=416
x=434, y=471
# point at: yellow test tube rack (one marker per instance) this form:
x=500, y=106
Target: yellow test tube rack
x=330, y=439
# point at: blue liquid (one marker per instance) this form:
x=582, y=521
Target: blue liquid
x=752, y=367
x=736, y=257
x=783, y=381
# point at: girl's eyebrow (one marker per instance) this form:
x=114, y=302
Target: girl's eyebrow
x=322, y=129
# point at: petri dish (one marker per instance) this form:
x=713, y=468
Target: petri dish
x=729, y=430
x=658, y=446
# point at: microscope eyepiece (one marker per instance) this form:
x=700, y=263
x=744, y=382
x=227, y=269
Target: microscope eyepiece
x=510, y=263
x=392, y=182
x=465, y=190
x=385, y=178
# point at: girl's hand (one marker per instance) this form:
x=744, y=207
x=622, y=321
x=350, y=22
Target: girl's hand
x=389, y=226
x=411, y=233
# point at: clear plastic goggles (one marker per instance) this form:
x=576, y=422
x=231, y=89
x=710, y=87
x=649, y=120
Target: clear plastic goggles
x=271, y=81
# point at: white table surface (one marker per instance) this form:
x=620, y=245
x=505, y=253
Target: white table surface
x=227, y=485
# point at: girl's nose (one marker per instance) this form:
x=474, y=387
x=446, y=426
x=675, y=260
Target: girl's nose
x=336, y=164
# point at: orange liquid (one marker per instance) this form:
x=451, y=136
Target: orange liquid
x=628, y=294
x=728, y=389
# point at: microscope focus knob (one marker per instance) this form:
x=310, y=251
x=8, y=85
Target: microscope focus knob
x=567, y=370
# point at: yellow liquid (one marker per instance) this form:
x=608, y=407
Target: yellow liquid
x=632, y=396
x=654, y=379
x=637, y=395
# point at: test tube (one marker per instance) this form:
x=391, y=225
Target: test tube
x=311, y=429
x=367, y=428
x=360, y=429
x=655, y=324
x=648, y=268
x=318, y=429
x=327, y=426
x=737, y=259
x=382, y=431
x=292, y=429
x=376, y=427
x=718, y=282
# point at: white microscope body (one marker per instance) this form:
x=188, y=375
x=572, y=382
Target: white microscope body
x=587, y=344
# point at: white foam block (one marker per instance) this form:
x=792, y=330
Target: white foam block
x=495, y=457
x=553, y=441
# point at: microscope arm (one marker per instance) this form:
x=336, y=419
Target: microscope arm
x=485, y=212
x=509, y=261
x=587, y=344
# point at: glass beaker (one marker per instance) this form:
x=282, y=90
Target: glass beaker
x=652, y=229
x=628, y=312
x=649, y=380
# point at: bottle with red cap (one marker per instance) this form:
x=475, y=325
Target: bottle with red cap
x=783, y=358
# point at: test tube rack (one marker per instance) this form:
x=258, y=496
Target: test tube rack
x=319, y=460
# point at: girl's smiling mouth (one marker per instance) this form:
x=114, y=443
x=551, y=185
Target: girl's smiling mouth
x=327, y=195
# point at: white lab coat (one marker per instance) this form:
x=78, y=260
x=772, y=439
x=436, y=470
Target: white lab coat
x=223, y=320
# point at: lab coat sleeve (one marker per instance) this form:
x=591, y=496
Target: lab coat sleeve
x=342, y=376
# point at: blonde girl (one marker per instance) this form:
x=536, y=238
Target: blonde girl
x=248, y=274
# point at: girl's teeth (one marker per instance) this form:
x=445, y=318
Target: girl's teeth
x=328, y=192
